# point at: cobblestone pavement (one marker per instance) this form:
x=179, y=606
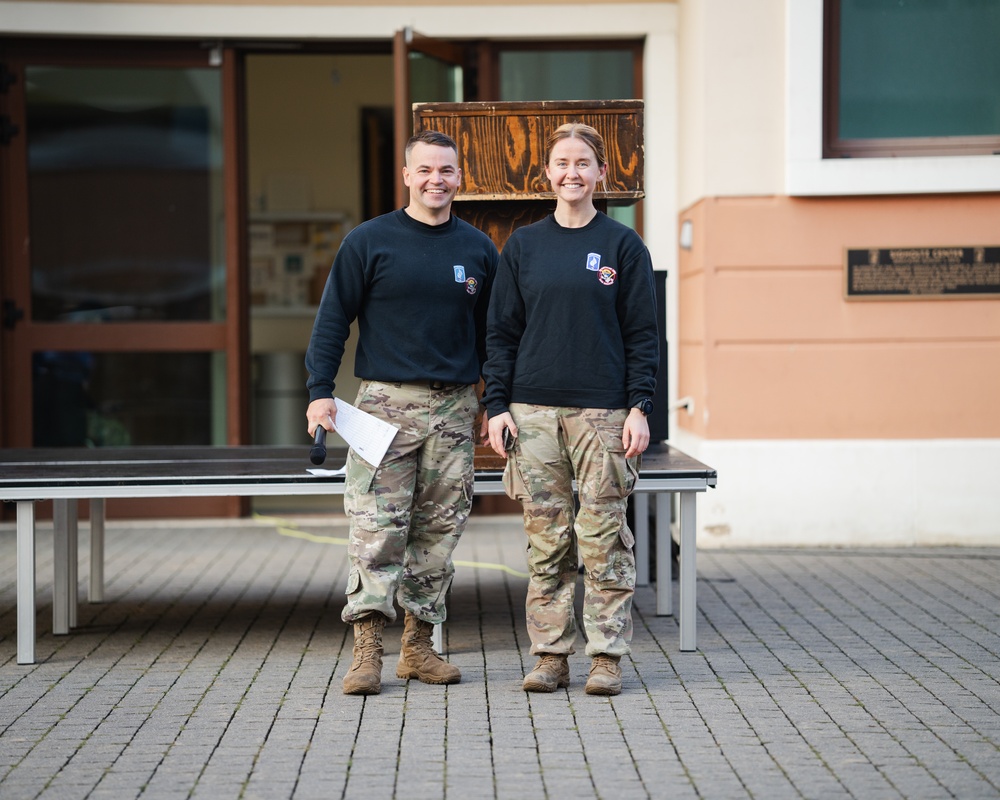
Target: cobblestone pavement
x=214, y=670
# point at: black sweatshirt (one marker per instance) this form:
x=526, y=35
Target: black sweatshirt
x=572, y=319
x=420, y=294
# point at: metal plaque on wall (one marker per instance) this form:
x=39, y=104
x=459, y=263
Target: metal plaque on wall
x=922, y=272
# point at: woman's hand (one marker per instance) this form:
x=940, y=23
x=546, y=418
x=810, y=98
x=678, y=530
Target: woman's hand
x=497, y=425
x=635, y=434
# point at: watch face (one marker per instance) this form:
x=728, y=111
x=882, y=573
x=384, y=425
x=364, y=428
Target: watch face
x=645, y=406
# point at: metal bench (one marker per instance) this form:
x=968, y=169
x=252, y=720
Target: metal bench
x=67, y=476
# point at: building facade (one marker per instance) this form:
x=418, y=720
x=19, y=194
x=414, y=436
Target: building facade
x=835, y=413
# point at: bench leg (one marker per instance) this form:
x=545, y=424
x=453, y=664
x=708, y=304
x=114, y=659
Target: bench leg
x=25, y=582
x=95, y=593
x=689, y=573
x=61, y=556
x=73, y=573
x=664, y=556
x=437, y=638
x=640, y=508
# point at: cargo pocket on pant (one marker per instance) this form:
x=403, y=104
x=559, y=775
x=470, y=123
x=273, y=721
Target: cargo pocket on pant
x=513, y=481
x=618, y=474
x=360, y=501
x=353, y=582
x=618, y=477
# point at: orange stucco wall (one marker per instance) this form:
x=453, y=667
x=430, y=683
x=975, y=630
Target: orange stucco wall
x=770, y=348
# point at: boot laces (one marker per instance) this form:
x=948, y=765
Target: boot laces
x=604, y=663
x=550, y=661
x=420, y=641
x=369, y=642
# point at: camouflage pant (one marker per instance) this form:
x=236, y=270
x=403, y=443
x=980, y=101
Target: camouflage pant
x=553, y=446
x=407, y=514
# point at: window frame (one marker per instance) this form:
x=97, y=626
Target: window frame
x=491, y=51
x=809, y=174
x=836, y=147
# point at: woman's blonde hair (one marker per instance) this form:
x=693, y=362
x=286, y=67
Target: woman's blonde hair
x=577, y=130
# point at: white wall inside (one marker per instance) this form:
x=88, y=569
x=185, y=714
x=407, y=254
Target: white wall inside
x=304, y=123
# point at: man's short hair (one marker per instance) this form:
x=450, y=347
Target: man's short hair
x=431, y=137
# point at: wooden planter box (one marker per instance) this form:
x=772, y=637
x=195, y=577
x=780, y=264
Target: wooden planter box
x=502, y=155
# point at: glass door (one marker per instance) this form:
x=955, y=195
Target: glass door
x=116, y=304
x=426, y=70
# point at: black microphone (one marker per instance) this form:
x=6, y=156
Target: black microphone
x=317, y=454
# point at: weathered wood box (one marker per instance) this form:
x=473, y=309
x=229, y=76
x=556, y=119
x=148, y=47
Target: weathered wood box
x=502, y=155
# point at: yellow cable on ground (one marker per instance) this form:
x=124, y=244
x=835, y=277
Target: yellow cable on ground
x=285, y=528
x=484, y=565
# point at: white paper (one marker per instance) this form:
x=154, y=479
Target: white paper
x=369, y=436
x=327, y=473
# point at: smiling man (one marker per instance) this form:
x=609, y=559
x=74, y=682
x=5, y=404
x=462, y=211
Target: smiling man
x=418, y=282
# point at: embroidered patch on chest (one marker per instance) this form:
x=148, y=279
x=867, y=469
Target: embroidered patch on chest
x=607, y=275
x=593, y=261
x=471, y=285
x=459, y=273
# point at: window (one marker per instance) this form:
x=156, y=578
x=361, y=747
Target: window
x=567, y=74
x=911, y=78
x=593, y=71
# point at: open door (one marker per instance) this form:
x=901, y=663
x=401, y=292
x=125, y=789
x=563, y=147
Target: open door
x=426, y=70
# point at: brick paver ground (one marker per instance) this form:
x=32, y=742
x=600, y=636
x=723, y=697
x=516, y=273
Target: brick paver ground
x=214, y=671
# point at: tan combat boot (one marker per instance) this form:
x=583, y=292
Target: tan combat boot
x=365, y=674
x=605, y=675
x=550, y=673
x=417, y=658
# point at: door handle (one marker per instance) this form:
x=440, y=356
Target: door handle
x=12, y=314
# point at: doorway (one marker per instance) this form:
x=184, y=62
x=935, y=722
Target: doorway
x=316, y=143
x=169, y=211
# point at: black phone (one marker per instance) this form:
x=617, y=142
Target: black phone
x=508, y=439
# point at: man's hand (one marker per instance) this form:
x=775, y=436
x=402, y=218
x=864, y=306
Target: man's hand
x=322, y=412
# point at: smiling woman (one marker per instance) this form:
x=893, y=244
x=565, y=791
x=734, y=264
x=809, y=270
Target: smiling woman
x=572, y=346
x=574, y=169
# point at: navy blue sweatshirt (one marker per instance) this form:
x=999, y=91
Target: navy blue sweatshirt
x=420, y=294
x=572, y=318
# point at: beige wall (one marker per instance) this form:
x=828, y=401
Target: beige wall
x=731, y=93
x=830, y=422
x=771, y=349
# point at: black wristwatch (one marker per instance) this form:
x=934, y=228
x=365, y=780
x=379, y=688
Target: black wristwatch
x=645, y=406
